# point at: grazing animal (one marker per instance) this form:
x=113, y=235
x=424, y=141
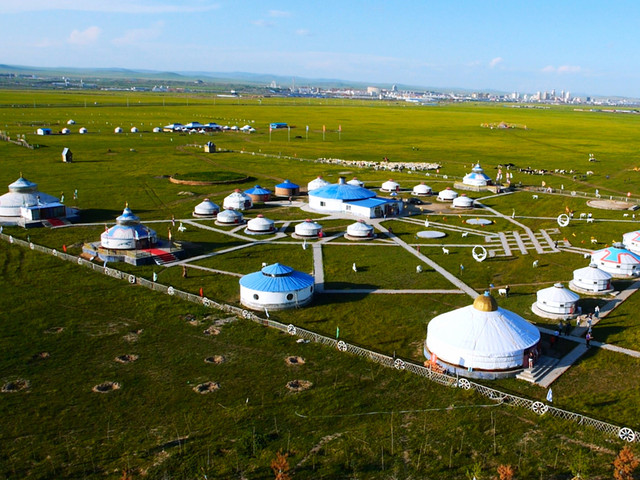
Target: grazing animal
x=625, y=214
x=464, y=234
x=583, y=215
x=594, y=240
x=445, y=251
x=589, y=220
x=264, y=264
x=502, y=292
x=535, y=197
x=535, y=263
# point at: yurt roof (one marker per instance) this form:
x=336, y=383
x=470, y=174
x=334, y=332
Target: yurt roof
x=557, y=294
x=237, y=195
x=308, y=225
x=591, y=272
x=206, y=207
x=390, y=185
x=448, y=193
x=317, y=183
x=462, y=200
x=128, y=218
x=422, y=188
x=22, y=185
x=631, y=236
x=616, y=254
x=277, y=278
x=359, y=227
x=126, y=231
x=287, y=184
x=260, y=221
x=257, y=190
x=342, y=191
x=230, y=215
x=356, y=182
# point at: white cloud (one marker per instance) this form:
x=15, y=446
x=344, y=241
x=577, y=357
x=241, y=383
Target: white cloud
x=279, y=14
x=303, y=32
x=85, y=37
x=562, y=69
x=111, y=6
x=262, y=23
x=139, y=35
x=495, y=62
x=549, y=69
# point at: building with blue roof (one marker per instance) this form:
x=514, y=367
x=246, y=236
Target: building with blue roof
x=258, y=194
x=342, y=197
x=617, y=261
x=287, y=189
x=276, y=287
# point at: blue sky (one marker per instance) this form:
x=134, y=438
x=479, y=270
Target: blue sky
x=586, y=47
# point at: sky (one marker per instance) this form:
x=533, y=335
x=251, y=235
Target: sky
x=582, y=46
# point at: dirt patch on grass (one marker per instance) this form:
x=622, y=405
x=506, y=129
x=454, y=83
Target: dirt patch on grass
x=609, y=204
x=212, y=330
x=294, y=360
x=215, y=359
x=54, y=330
x=106, y=387
x=299, y=385
x=16, y=386
x=133, y=336
x=206, y=387
x=41, y=356
x=128, y=358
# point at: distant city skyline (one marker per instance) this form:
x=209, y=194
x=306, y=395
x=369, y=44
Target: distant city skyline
x=585, y=47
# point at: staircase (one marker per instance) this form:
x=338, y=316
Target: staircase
x=543, y=366
x=164, y=258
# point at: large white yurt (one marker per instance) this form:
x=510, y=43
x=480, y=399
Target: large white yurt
x=617, y=261
x=360, y=231
x=421, y=189
x=24, y=203
x=316, y=183
x=308, y=229
x=260, y=226
x=229, y=217
x=463, y=202
x=555, y=302
x=237, y=201
x=354, y=181
x=128, y=234
x=477, y=177
x=390, y=186
x=447, y=195
x=591, y=280
x=206, y=209
x=631, y=241
x=481, y=340
x=276, y=287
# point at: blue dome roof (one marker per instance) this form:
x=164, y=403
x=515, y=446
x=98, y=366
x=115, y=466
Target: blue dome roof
x=257, y=190
x=287, y=184
x=127, y=217
x=342, y=191
x=23, y=185
x=277, y=278
x=616, y=254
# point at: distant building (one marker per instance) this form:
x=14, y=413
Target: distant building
x=67, y=156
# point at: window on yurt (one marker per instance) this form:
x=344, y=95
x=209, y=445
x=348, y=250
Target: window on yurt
x=290, y=296
x=323, y=204
x=255, y=296
x=348, y=207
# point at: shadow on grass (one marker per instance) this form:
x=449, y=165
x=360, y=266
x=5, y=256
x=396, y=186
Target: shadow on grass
x=99, y=215
x=350, y=286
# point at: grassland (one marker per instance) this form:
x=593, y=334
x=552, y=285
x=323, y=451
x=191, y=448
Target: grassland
x=97, y=435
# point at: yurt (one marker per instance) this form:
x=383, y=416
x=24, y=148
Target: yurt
x=117, y=130
x=631, y=241
x=463, y=202
x=229, y=217
x=617, y=261
x=360, y=231
x=276, y=287
x=260, y=226
x=237, y=201
x=316, y=183
x=591, y=280
x=71, y=122
x=555, y=302
x=128, y=234
x=308, y=229
x=477, y=177
x=206, y=209
x=390, y=186
x=356, y=182
x=481, y=340
x=134, y=129
x=287, y=189
x=24, y=204
x=65, y=131
x=157, y=129
x=82, y=130
x=447, y=195
x=258, y=194
x=421, y=190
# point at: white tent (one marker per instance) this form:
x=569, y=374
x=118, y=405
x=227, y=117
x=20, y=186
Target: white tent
x=421, y=189
x=316, y=183
x=631, y=241
x=463, y=202
x=260, y=226
x=591, y=280
x=556, y=302
x=617, y=261
x=390, y=186
x=360, y=230
x=308, y=229
x=229, y=217
x=447, y=195
x=237, y=201
x=206, y=209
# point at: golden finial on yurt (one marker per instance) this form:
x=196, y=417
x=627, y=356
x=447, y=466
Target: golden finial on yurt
x=485, y=303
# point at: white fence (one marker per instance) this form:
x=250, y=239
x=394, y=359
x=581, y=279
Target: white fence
x=624, y=433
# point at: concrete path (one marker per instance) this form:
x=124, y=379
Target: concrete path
x=387, y=291
x=318, y=267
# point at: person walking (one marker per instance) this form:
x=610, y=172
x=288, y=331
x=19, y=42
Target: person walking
x=596, y=311
x=587, y=339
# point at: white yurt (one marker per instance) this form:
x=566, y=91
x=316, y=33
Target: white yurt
x=206, y=209
x=555, y=302
x=308, y=229
x=421, y=190
x=237, y=201
x=360, y=231
x=71, y=122
x=65, y=131
x=631, y=241
x=447, y=195
x=229, y=217
x=128, y=234
x=157, y=129
x=463, y=202
x=82, y=130
x=477, y=177
x=354, y=181
x=276, y=287
x=117, y=130
x=260, y=226
x=25, y=204
x=591, y=280
x=481, y=340
x=617, y=261
x=134, y=129
x=390, y=186
x=316, y=183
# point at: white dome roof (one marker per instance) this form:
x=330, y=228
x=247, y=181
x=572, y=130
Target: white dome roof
x=260, y=224
x=421, y=189
x=134, y=130
x=82, y=130
x=477, y=338
x=23, y=193
x=356, y=182
x=447, y=194
x=229, y=216
x=237, y=200
x=207, y=207
x=308, y=228
x=117, y=130
x=477, y=177
x=359, y=229
x=592, y=272
x=156, y=129
x=631, y=241
x=66, y=131
x=390, y=186
x=316, y=183
x=616, y=255
x=556, y=295
x=463, y=201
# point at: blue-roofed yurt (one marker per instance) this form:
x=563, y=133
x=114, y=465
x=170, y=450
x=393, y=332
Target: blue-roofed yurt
x=287, y=189
x=617, y=261
x=258, y=194
x=477, y=177
x=631, y=241
x=276, y=287
x=128, y=234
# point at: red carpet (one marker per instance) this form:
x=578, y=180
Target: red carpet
x=162, y=257
x=55, y=222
